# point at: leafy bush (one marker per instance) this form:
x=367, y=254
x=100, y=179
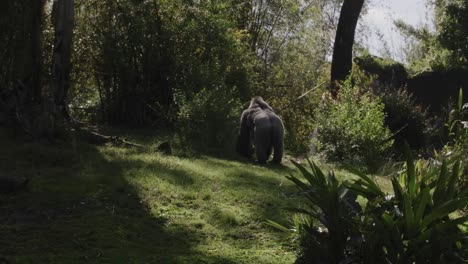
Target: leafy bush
x=406, y=119
x=352, y=128
x=415, y=224
x=210, y=119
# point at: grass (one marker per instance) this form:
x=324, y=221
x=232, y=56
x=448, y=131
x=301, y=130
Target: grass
x=88, y=204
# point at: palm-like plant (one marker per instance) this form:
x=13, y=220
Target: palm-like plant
x=326, y=227
x=417, y=223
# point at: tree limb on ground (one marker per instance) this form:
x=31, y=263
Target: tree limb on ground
x=100, y=139
x=96, y=138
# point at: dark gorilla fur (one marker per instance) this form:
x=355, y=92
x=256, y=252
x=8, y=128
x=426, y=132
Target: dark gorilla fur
x=260, y=124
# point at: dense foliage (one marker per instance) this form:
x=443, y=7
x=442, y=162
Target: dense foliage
x=452, y=25
x=187, y=68
x=418, y=223
x=141, y=58
x=206, y=124
x=408, y=121
x=139, y=62
x=443, y=49
x=135, y=63
x=352, y=128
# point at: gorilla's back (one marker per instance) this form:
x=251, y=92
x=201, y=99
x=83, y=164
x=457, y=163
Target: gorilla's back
x=261, y=119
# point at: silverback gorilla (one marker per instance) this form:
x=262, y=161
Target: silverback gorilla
x=260, y=124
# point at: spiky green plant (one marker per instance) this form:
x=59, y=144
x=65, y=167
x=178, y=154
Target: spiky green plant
x=326, y=225
x=418, y=223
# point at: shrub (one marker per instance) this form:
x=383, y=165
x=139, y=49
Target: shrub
x=406, y=119
x=415, y=224
x=210, y=119
x=352, y=127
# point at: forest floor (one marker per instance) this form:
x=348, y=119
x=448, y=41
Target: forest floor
x=89, y=204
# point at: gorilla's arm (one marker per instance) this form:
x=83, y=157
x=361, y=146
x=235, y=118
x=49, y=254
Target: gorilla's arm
x=244, y=146
x=277, y=136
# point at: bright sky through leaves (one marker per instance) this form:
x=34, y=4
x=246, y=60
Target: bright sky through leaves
x=379, y=20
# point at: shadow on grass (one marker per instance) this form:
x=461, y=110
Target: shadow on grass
x=271, y=195
x=254, y=184
x=261, y=191
x=80, y=209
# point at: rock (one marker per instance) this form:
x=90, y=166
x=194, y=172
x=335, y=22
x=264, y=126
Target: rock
x=11, y=184
x=165, y=148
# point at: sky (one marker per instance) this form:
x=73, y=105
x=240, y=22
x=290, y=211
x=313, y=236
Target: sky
x=379, y=20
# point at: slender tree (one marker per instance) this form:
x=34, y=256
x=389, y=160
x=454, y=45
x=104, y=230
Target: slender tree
x=63, y=22
x=36, y=50
x=344, y=40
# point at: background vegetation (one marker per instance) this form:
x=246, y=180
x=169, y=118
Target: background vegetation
x=118, y=120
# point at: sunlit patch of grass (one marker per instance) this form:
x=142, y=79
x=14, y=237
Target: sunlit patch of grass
x=107, y=204
x=116, y=205
x=224, y=218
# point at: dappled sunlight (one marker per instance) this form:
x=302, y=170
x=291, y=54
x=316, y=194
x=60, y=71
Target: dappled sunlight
x=137, y=132
x=95, y=210
x=225, y=202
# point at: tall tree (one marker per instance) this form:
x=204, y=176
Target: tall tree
x=344, y=40
x=63, y=21
x=36, y=50
x=20, y=70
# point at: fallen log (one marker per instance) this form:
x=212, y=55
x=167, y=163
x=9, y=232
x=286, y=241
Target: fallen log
x=100, y=139
x=96, y=138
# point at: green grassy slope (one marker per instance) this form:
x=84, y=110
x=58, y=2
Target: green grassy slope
x=88, y=204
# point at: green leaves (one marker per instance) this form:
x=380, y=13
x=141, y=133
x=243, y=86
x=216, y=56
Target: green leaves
x=352, y=128
x=365, y=186
x=414, y=225
x=330, y=205
x=452, y=20
x=425, y=197
x=410, y=173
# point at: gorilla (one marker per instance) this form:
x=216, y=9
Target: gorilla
x=260, y=124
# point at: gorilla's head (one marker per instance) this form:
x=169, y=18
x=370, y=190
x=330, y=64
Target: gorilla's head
x=258, y=101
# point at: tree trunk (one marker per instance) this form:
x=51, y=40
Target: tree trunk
x=20, y=87
x=164, y=84
x=344, y=40
x=36, y=50
x=62, y=20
